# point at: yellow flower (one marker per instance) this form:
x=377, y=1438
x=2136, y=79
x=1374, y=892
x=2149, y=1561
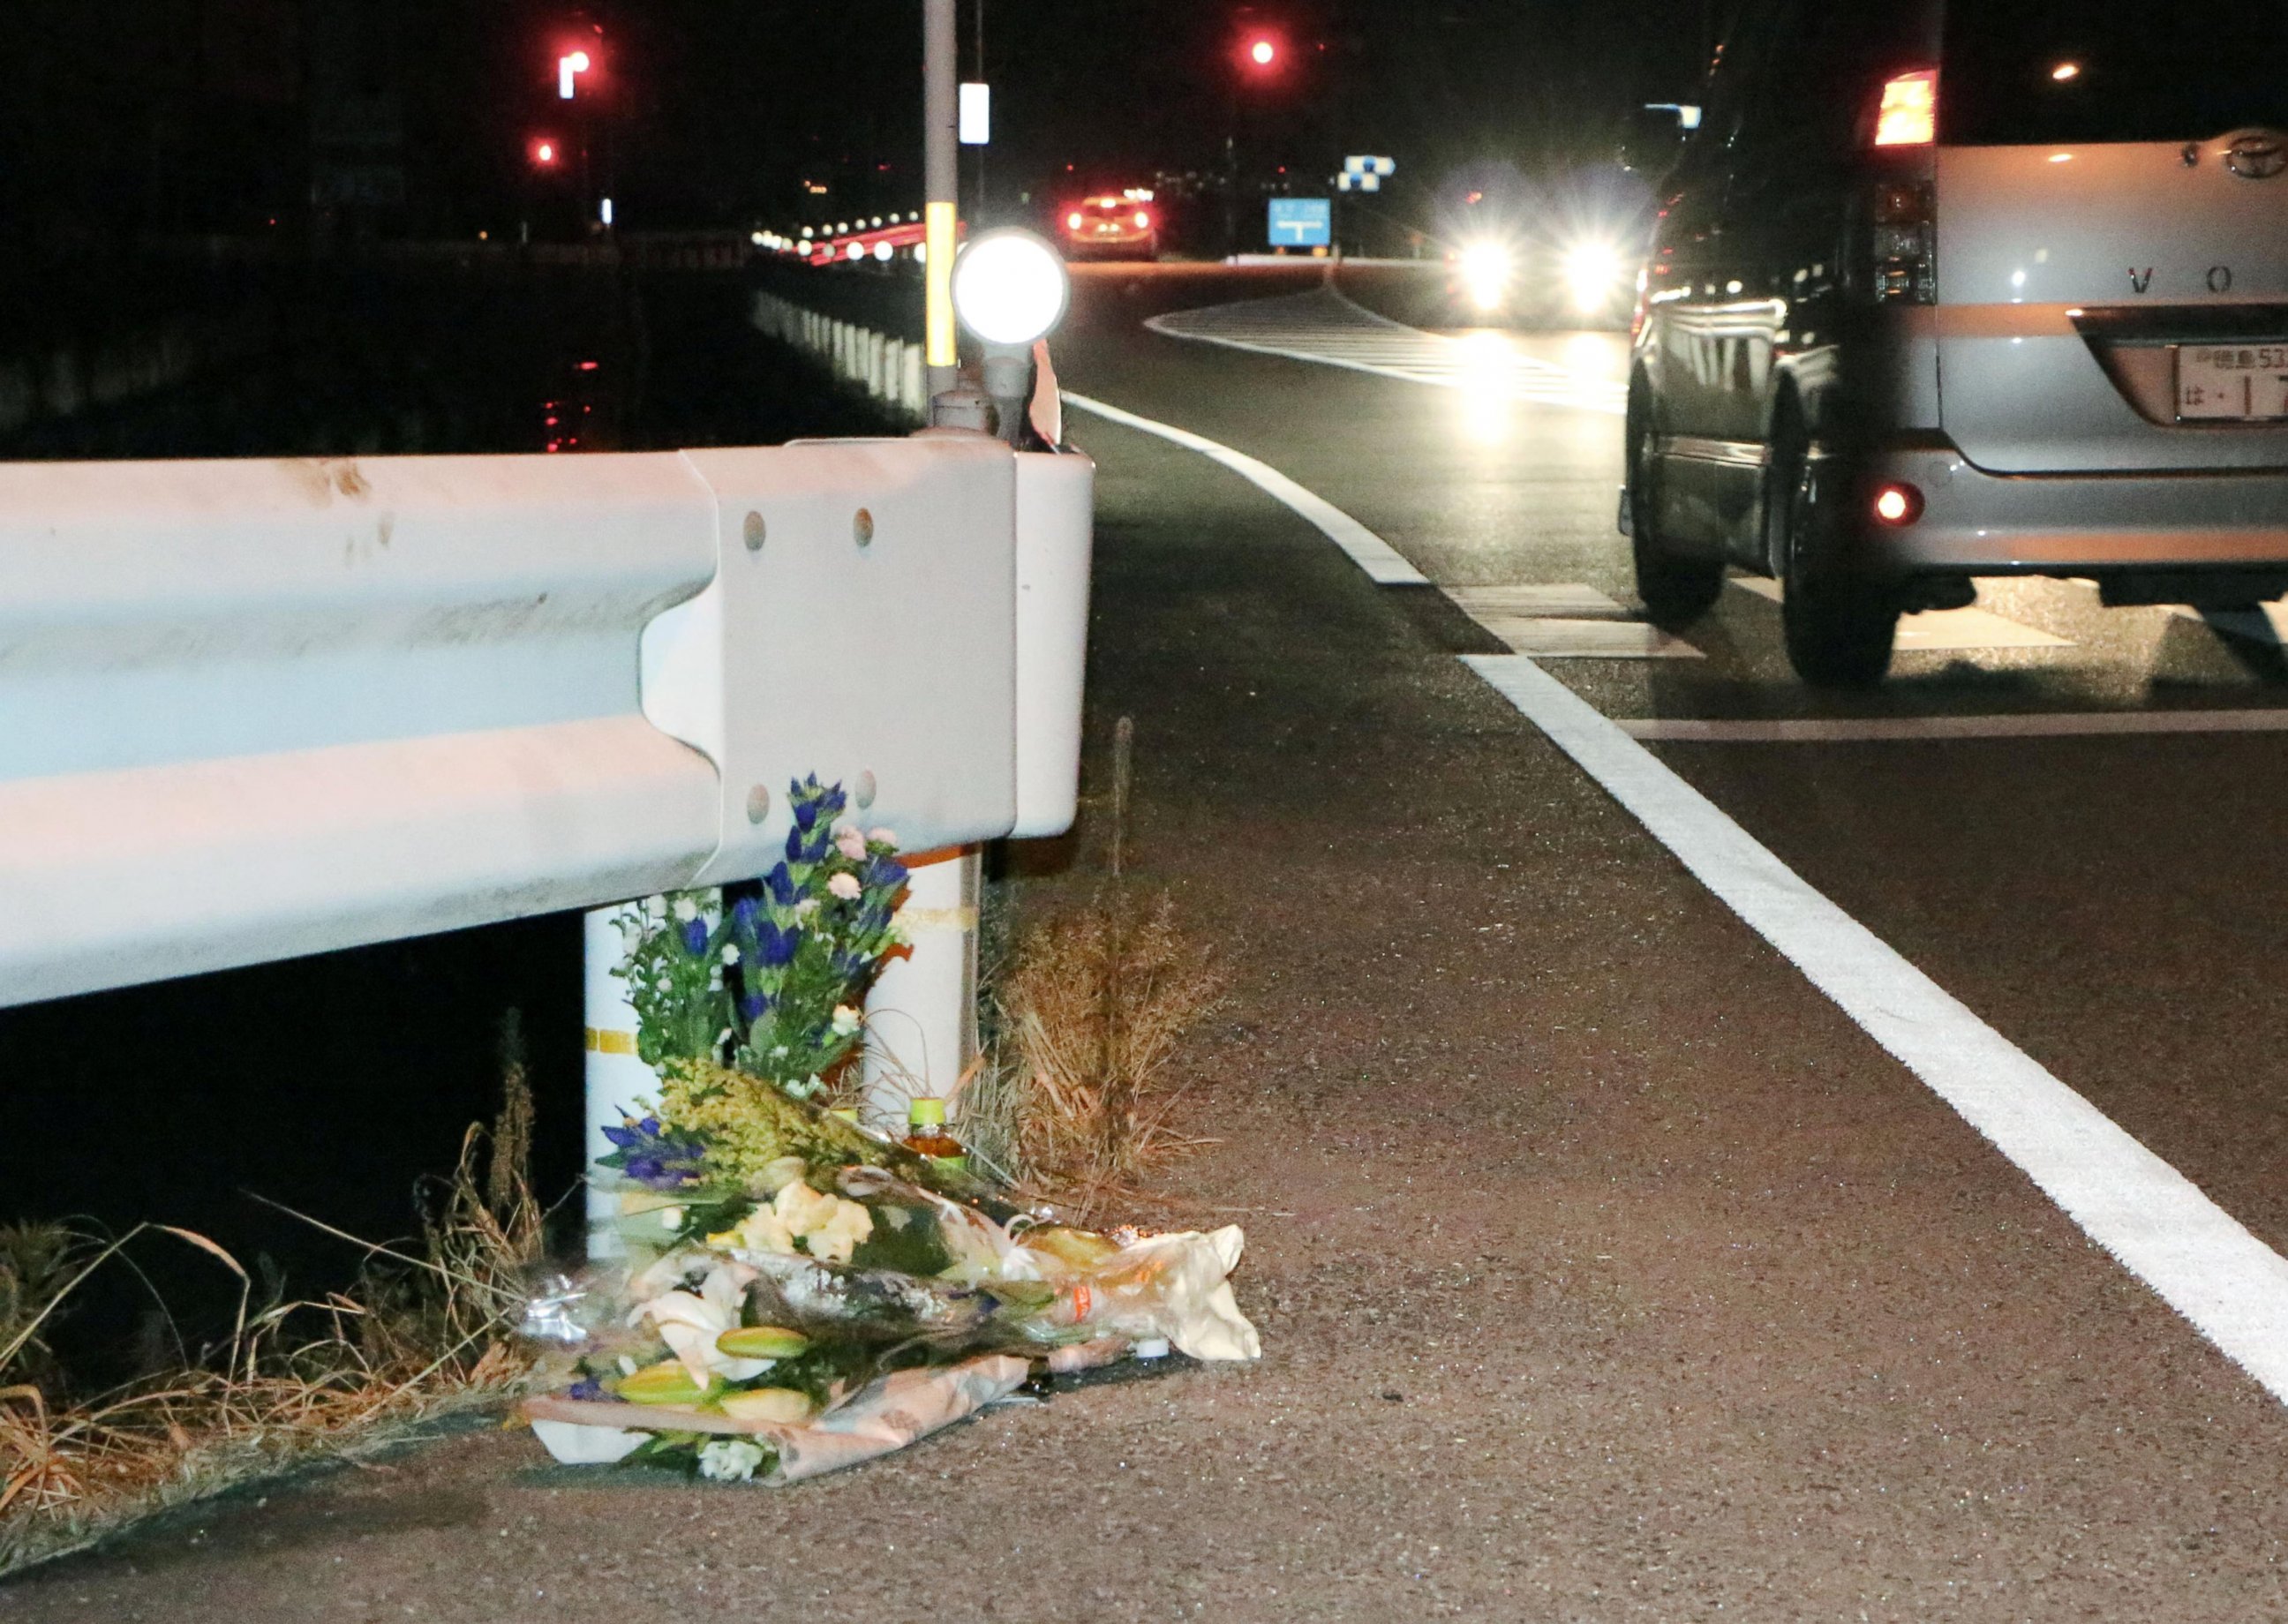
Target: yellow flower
x=829, y=1227
x=760, y=1231
x=836, y=1239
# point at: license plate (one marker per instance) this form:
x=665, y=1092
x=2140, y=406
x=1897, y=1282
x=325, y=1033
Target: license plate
x=2236, y=382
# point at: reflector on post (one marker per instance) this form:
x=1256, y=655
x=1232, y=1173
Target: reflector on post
x=938, y=240
x=1010, y=288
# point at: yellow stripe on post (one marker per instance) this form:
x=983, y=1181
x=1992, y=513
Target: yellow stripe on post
x=938, y=225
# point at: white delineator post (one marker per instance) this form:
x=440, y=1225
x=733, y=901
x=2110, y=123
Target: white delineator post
x=921, y=1016
x=618, y=1083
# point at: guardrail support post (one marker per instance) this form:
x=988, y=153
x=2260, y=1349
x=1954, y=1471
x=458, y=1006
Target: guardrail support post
x=921, y=1018
x=618, y=1083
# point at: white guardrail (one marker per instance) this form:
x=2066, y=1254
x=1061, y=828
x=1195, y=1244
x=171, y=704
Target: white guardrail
x=889, y=369
x=250, y=710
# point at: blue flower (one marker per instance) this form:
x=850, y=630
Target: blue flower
x=808, y=845
x=781, y=886
x=743, y=912
x=586, y=1388
x=815, y=803
x=882, y=873
x=694, y=937
x=647, y=1156
x=777, y=948
x=627, y=1139
x=754, y=1006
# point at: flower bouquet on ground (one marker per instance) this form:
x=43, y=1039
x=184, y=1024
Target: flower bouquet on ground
x=799, y=1294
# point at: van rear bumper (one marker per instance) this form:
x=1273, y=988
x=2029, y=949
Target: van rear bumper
x=1977, y=523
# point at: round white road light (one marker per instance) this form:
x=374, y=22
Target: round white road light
x=1009, y=287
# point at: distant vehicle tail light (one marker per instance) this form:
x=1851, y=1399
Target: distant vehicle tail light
x=1909, y=113
x=1897, y=505
x=1073, y=220
x=1903, y=242
x=1143, y=220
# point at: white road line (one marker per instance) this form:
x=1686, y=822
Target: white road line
x=1941, y=630
x=1571, y=600
x=2195, y=1255
x=1384, y=564
x=1553, y=637
x=1850, y=730
x=2266, y=623
x=1325, y=327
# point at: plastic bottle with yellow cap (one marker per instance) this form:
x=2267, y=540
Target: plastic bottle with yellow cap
x=926, y=1136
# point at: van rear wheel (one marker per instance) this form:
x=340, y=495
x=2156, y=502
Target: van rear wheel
x=1839, y=626
x=1676, y=590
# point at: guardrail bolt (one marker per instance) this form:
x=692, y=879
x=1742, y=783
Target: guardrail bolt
x=862, y=788
x=754, y=532
x=862, y=527
x=759, y=804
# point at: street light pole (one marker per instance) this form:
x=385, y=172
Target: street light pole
x=977, y=191
x=941, y=180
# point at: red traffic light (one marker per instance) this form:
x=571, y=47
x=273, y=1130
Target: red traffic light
x=543, y=151
x=1263, y=52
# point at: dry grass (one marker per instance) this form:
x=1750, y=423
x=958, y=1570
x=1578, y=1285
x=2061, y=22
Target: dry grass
x=422, y=1334
x=1091, y=1006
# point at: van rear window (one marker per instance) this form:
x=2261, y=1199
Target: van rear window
x=2015, y=72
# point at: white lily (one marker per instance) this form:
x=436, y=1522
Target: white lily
x=689, y=1323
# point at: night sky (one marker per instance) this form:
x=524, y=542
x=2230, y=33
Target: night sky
x=414, y=116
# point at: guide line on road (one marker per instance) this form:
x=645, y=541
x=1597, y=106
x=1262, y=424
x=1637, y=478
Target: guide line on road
x=2199, y=1259
x=1860, y=730
x=1327, y=329
x=1937, y=631
x=1384, y=564
x=2154, y=1220
x=2157, y=1223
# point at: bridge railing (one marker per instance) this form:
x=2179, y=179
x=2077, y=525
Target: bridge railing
x=890, y=369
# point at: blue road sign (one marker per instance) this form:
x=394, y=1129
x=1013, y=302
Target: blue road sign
x=1302, y=222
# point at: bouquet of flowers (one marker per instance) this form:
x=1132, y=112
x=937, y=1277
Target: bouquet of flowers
x=799, y=1293
x=770, y=975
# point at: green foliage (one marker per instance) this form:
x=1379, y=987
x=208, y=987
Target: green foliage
x=771, y=975
x=680, y=997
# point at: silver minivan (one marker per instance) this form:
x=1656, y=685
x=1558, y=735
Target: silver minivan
x=1987, y=288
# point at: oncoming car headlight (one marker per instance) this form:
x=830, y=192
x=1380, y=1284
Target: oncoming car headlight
x=1010, y=288
x=1486, y=268
x=1593, y=273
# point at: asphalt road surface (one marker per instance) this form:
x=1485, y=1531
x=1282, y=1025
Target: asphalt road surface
x=1602, y=1122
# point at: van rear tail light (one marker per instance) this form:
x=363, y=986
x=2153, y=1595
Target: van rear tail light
x=1903, y=242
x=1909, y=113
x=1897, y=505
